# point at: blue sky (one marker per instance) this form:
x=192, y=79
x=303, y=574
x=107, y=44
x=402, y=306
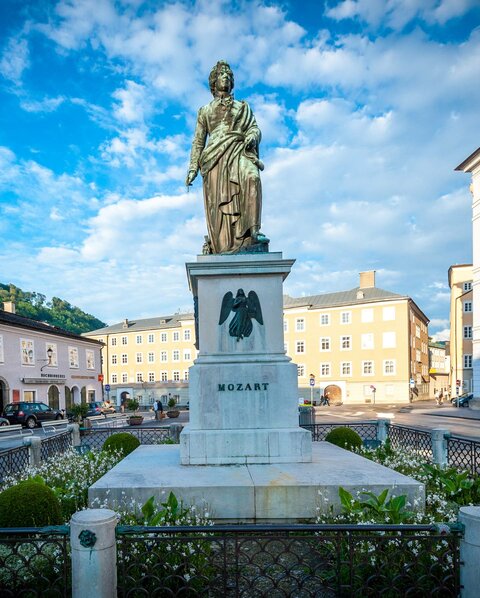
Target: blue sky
x=366, y=107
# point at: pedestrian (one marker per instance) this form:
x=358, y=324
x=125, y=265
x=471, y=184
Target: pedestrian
x=158, y=409
x=155, y=409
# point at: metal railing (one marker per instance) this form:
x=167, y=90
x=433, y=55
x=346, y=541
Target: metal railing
x=55, y=445
x=35, y=561
x=412, y=440
x=295, y=560
x=366, y=430
x=13, y=460
x=95, y=437
x=463, y=454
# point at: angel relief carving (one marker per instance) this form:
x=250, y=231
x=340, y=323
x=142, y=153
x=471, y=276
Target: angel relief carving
x=245, y=308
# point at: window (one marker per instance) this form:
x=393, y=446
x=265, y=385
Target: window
x=299, y=324
x=345, y=343
x=187, y=335
x=389, y=367
x=301, y=371
x=151, y=376
x=467, y=332
x=324, y=319
x=114, y=341
x=164, y=376
x=176, y=355
x=114, y=359
x=163, y=337
x=73, y=357
x=388, y=313
x=346, y=368
x=151, y=357
x=417, y=330
x=139, y=339
x=124, y=378
x=139, y=377
x=139, y=358
x=28, y=352
x=367, y=315
x=367, y=368
x=124, y=340
x=163, y=356
x=325, y=343
x=114, y=378
x=285, y=326
x=90, y=359
x=299, y=347
x=30, y=396
x=467, y=361
x=389, y=340
x=418, y=355
x=185, y=375
x=467, y=286
x=187, y=355
x=124, y=358
x=151, y=338
x=176, y=336
x=176, y=376
x=345, y=317
x=324, y=369
x=367, y=341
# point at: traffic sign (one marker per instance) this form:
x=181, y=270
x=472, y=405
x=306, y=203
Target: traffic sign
x=312, y=381
x=107, y=387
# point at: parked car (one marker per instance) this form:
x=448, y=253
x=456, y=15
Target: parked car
x=99, y=408
x=30, y=414
x=4, y=421
x=462, y=400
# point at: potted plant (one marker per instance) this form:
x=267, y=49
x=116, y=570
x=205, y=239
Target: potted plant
x=78, y=412
x=135, y=419
x=172, y=412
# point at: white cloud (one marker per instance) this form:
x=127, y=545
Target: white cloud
x=15, y=59
x=45, y=105
x=134, y=103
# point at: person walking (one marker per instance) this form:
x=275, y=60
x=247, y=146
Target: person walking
x=158, y=407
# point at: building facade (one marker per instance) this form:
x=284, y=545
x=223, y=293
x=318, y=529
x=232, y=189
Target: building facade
x=365, y=345
x=362, y=345
x=43, y=363
x=148, y=359
x=460, y=281
x=439, y=363
x=472, y=166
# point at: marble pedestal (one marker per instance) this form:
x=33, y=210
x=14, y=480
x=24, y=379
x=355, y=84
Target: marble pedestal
x=251, y=493
x=243, y=392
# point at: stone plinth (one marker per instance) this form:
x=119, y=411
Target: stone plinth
x=243, y=392
x=283, y=492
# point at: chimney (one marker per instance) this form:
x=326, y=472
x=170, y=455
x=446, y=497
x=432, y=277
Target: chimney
x=9, y=306
x=125, y=323
x=367, y=279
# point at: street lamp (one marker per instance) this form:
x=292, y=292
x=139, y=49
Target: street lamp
x=48, y=360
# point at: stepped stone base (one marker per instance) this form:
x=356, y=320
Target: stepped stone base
x=251, y=493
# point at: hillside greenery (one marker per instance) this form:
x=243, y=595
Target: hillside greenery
x=56, y=312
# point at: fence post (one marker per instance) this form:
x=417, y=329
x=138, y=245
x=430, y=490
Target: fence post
x=175, y=430
x=74, y=430
x=439, y=446
x=34, y=446
x=382, y=430
x=94, y=553
x=470, y=552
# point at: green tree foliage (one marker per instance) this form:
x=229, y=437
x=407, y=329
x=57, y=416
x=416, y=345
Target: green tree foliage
x=56, y=312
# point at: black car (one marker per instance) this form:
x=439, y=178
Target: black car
x=30, y=414
x=462, y=400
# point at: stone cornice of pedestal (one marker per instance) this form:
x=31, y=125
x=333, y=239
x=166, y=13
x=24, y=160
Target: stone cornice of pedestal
x=244, y=263
x=259, y=358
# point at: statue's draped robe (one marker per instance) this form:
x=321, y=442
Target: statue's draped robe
x=231, y=182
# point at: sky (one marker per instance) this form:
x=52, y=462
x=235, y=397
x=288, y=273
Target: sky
x=366, y=107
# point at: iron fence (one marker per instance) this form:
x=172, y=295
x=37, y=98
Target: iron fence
x=296, y=560
x=410, y=439
x=35, y=562
x=366, y=430
x=13, y=460
x=95, y=437
x=57, y=444
x=463, y=453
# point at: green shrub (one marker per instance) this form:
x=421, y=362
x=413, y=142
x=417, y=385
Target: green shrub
x=29, y=504
x=133, y=405
x=345, y=438
x=123, y=442
x=171, y=403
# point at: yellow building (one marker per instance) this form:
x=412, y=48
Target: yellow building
x=461, y=328
x=148, y=359
x=364, y=345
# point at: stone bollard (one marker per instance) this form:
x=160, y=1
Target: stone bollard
x=74, y=430
x=470, y=552
x=94, y=553
x=382, y=430
x=175, y=431
x=439, y=446
x=34, y=446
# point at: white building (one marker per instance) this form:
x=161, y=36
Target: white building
x=39, y=362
